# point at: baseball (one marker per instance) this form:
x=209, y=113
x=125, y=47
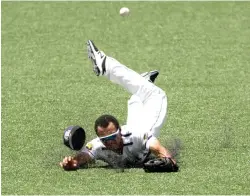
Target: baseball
x=124, y=11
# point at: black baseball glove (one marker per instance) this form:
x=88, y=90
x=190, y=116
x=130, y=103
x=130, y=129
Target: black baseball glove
x=160, y=165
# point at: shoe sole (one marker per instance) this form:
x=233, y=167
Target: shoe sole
x=91, y=55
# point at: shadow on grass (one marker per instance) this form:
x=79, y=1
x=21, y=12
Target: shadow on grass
x=51, y=159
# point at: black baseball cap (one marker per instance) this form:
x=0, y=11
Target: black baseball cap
x=74, y=137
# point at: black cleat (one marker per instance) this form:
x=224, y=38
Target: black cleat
x=151, y=75
x=97, y=58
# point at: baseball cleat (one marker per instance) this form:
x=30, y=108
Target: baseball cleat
x=151, y=75
x=97, y=58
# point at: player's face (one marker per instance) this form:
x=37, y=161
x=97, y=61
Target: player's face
x=110, y=136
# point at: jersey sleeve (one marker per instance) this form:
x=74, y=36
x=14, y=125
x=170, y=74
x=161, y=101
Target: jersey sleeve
x=93, y=148
x=149, y=140
x=143, y=139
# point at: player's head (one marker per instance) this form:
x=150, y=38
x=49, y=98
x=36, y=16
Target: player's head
x=108, y=130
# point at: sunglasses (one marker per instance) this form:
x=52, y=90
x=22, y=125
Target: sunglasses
x=109, y=137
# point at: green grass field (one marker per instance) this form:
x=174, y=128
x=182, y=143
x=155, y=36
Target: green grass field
x=202, y=50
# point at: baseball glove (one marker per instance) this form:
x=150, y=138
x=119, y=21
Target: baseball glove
x=160, y=165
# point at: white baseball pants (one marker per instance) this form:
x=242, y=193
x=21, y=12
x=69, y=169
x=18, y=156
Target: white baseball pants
x=147, y=107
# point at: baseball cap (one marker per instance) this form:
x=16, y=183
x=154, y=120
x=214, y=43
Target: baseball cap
x=74, y=137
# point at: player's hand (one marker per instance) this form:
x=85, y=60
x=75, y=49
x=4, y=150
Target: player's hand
x=69, y=164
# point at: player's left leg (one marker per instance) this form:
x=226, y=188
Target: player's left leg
x=154, y=113
x=138, y=113
x=135, y=106
x=135, y=110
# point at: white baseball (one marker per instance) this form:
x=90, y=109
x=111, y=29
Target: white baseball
x=124, y=11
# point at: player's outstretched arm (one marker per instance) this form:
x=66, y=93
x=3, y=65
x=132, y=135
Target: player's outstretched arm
x=160, y=151
x=73, y=163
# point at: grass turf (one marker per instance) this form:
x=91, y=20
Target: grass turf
x=202, y=52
